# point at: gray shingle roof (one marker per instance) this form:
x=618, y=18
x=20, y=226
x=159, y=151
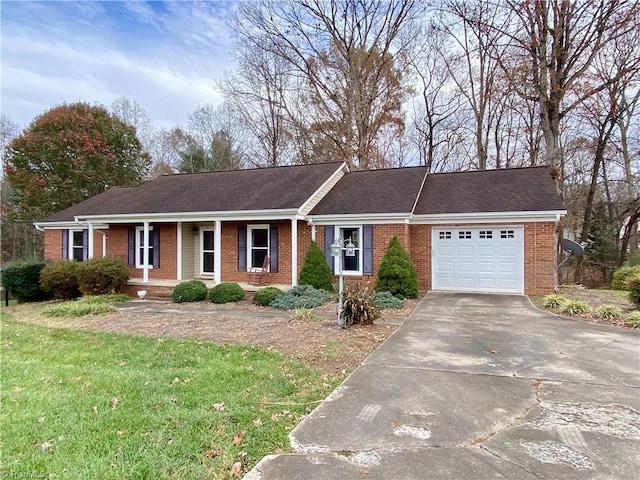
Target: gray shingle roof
x=508, y=190
x=276, y=188
x=361, y=192
x=373, y=191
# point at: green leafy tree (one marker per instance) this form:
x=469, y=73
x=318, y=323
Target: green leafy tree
x=68, y=154
x=315, y=270
x=397, y=274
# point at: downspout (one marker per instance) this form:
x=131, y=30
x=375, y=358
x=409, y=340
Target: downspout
x=313, y=228
x=145, y=253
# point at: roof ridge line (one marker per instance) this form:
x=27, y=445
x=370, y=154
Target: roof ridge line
x=415, y=202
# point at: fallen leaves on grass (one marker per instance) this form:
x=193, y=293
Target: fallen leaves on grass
x=237, y=440
x=236, y=469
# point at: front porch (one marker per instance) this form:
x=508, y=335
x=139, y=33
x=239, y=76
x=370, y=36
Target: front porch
x=161, y=289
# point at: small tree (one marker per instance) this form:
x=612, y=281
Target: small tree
x=315, y=270
x=397, y=273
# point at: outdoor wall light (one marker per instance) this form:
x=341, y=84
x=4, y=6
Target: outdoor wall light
x=195, y=231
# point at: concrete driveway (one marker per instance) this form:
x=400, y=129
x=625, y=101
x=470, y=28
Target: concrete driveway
x=478, y=387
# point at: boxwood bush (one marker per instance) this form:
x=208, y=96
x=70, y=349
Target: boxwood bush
x=190, y=291
x=266, y=295
x=61, y=279
x=396, y=273
x=315, y=270
x=99, y=276
x=301, y=296
x=226, y=292
x=22, y=280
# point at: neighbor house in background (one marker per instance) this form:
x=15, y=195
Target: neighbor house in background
x=487, y=231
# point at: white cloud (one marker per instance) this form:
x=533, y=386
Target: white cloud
x=164, y=55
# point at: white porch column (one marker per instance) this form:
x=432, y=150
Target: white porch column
x=294, y=251
x=179, y=250
x=217, y=252
x=90, y=237
x=145, y=253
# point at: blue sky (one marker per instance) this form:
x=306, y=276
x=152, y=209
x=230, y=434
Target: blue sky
x=165, y=55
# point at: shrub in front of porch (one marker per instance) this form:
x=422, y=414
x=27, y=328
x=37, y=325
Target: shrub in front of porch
x=315, y=270
x=191, y=291
x=266, y=295
x=100, y=276
x=61, y=279
x=396, y=273
x=226, y=292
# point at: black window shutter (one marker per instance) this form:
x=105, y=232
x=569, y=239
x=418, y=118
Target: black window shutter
x=328, y=241
x=85, y=244
x=242, y=249
x=367, y=249
x=273, y=248
x=131, y=251
x=156, y=247
x=65, y=244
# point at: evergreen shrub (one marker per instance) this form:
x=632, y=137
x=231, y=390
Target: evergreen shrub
x=396, y=273
x=315, y=270
x=100, y=276
x=607, y=311
x=387, y=300
x=575, y=307
x=620, y=275
x=266, y=295
x=22, y=280
x=190, y=291
x=632, y=285
x=301, y=296
x=61, y=279
x=226, y=292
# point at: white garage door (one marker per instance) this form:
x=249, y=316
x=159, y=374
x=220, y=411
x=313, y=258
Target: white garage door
x=472, y=259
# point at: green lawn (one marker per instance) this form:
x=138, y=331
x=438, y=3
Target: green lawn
x=79, y=405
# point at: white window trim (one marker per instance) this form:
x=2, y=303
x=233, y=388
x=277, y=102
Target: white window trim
x=264, y=226
x=202, y=252
x=359, y=251
x=139, y=264
x=70, y=246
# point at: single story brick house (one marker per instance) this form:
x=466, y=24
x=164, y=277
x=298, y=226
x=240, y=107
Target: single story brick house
x=484, y=231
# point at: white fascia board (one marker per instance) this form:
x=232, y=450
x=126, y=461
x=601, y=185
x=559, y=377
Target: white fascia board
x=325, y=188
x=242, y=215
x=67, y=225
x=353, y=219
x=488, y=217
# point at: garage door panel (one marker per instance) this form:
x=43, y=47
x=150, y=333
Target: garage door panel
x=478, y=259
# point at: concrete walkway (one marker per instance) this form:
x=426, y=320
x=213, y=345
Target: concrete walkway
x=478, y=387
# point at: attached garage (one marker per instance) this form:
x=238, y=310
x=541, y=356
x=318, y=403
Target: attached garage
x=478, y=259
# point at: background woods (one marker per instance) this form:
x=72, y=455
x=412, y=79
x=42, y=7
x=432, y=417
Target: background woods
x=453, y=85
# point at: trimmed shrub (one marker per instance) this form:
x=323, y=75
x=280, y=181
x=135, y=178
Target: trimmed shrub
x=619, y=277
x=301, y=296
x=575, y=307
x=266, y=295
x=386, y=300
x=607, y=311
x=191, y=291
x=396, y=273
x=315, y=270
x=633, y=319
x=554, y=301
x=22, y=280
x=632, y=284
x=100, y=276
x=226, y=292
x=358, y=306
x=61, y=279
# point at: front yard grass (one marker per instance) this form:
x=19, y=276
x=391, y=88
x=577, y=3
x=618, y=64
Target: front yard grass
x=110, y=406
